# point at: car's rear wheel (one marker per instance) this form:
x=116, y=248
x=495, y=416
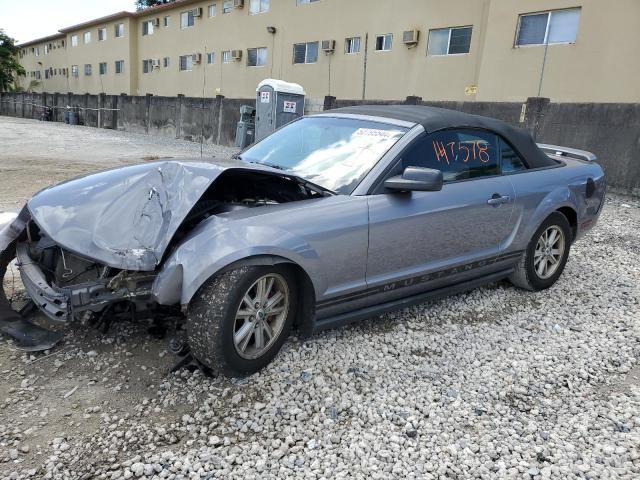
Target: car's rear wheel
x=546, y=256
x=239, y=320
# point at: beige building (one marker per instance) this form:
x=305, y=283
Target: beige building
x=462, y=50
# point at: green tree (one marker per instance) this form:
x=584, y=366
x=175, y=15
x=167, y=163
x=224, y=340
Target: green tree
x=142, y=4
x=10, y=68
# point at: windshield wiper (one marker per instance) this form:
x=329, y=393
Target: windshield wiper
x=236, y=156
x=270, y=165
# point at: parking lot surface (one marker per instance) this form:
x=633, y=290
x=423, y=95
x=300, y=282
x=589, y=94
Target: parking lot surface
x=495, y=383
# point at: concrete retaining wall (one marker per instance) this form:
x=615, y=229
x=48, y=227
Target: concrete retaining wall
x=611, y=131
x=212, y=120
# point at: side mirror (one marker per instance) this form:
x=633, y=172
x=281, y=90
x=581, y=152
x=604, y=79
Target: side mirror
x=416, y=179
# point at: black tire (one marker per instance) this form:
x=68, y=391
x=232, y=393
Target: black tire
x=212, y=316
x=526, y=276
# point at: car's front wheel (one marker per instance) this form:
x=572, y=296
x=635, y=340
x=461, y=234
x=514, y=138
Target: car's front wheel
x=239, y=319
x=546, y=256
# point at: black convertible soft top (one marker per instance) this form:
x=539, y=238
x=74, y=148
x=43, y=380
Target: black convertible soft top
x=434, y=119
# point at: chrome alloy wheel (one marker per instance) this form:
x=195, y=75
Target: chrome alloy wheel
x=549, y=252
x=261, y=315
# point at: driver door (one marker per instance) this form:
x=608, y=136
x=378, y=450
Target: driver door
x=419, y=241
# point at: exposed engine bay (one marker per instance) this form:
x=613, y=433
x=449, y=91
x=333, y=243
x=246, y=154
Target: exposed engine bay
x=67, y=286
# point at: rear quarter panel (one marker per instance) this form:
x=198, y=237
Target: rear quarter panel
x=541, y=192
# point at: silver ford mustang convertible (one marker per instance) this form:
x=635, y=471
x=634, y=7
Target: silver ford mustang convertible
x=334, y=218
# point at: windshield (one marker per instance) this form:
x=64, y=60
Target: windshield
x=335, y=153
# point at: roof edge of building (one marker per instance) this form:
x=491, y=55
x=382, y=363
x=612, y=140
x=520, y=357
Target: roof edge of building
x=41, y=40
x=96, y=21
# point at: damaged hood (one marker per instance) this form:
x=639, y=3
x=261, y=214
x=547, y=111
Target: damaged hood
x=125, y=218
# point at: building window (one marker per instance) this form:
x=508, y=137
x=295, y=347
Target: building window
x=37, y=51
x=147, y=66
x=227, y=6
x=167, y=62
x=384, y=42
x=102, y=68
x=258, y=6
x=74, y=40
x=87, y=37
x=256, y=57
x=211, y=10
x=167, y=21
x=74, y=71
x=119, y=67
x=449, y=41
x=119, y=30
x=102, y=34
x=38, y=75
x=87, y=69
x=147, y=27
x=186, y=63
x=211, y=57
x=186, y=19
x=46, y=49
x=352, y=45
x=46, y=74
x=304, y=2
x=305, y=52
x=226, y=57
x=557, y=26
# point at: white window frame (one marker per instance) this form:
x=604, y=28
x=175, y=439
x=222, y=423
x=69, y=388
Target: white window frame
x=211, y=56
x=258, y=50
x=306, y=53
x=100, y=65
x=119, y=30
x=86, y=37
x=46, y=50
x=88, y=68
x=166, y=21
x=261, y=7
x=451, y=29
x=148, y=25
x=102, y=34
x=75, y=71
x=385, y=36
x=121, y=67
x=545, y=41
x=227, y=7
x=189, y=17
x=348, y=43
x=226, y=57
x=166, y=62
x=74, y=40
x=212, y=10
x=188, y=63
x=304, y=2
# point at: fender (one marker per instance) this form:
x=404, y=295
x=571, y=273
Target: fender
x=217, y=244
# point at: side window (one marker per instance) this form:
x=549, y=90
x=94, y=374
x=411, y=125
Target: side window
x=459, y=154
x=510, y=160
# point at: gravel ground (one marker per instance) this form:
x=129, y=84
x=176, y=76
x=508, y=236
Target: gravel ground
x=496, y=383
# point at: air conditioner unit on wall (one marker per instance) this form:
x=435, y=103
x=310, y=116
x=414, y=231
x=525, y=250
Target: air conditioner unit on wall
x=328, y=46
x=238, y=3
x=197, y=12
x=196, y=57
x=236, y=54
x=156, y=63
x=411, y=37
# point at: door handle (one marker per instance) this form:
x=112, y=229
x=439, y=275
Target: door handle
x=498, y=199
